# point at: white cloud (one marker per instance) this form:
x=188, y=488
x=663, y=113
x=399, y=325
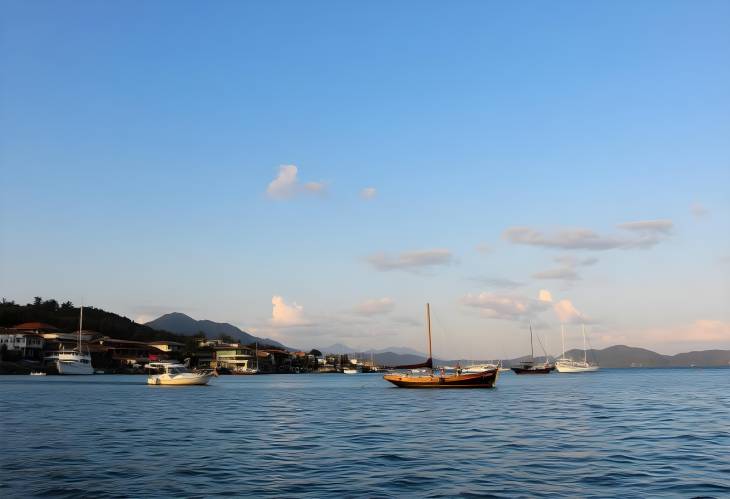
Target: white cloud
x=698, y=210
x=645, y=234
x=483, y=248
x=567, y=271
x=145, y=318
x=285, y=315
x=411, y=260
x=378, y=306
x=368, y=193
x=316, y=187
x=498, y=282
x=507, y=307
x=562, y=273
x=286, y=185
x=649, y=226
x=545, y=295
x=568, y=314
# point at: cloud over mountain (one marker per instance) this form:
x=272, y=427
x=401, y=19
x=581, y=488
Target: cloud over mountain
x=285, y=315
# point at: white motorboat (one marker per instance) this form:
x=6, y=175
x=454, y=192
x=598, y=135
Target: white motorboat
x=479, y=368
x=566, y=365
x=37, y=373
x=179, y=375
x=350, y=371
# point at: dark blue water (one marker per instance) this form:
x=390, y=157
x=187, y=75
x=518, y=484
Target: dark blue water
x=635, y=432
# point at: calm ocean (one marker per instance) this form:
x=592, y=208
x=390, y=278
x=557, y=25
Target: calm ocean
x=628, y=433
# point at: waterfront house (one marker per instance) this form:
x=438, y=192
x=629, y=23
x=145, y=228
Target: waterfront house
x=169, y=347
x=276, y=361
x=235, y=358
x=26, y=345
x=122, y=353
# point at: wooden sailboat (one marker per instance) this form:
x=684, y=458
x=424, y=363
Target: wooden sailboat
x=529, y=366
x=483, y=379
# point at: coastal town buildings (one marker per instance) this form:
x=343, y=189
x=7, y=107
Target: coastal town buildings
x=171, y=347
x=27, y=345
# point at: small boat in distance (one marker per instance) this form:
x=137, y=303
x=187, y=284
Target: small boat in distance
x=565, y=365
x=529, y=366
x=483, y=379
x=178, y=375
x=37, y=373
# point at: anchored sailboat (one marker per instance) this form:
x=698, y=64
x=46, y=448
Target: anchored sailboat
x=529, y=366
x=565, y=365
x=482, y=379
x=75, y=361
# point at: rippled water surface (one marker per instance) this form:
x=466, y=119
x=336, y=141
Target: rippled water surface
x=638, y=432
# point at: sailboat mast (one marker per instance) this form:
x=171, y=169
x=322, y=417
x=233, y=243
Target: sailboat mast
x=562, y=337
x=81, y=325
x=585, y=352
x=428, y=322
x=532, y=349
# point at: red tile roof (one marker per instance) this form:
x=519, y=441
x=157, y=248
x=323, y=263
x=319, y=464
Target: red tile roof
x=32, y=326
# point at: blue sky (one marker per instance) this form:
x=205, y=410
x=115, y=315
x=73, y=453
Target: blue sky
x=138, y=141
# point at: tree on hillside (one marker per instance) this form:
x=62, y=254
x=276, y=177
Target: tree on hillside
x=226, y=338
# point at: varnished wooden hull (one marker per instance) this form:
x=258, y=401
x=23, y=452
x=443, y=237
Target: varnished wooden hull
x=485, y=379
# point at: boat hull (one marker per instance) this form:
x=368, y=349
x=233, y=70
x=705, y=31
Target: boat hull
x=187, y=379
x=532, y=370
x=576, y=369
x=485, y=379
x=74, y=367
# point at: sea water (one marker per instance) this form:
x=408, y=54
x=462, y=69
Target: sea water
x=617, y=432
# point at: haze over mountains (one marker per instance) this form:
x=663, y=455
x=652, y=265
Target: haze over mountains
x=616, y=356
x=180, y=323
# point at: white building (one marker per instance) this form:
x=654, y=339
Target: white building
x=29, y=344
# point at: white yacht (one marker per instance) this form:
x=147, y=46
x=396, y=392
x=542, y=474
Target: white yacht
x=479, y=368
x=73, y=361
x=177, y=374
x=565, y=365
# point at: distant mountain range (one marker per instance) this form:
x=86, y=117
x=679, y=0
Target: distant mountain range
x=341, y=348
x=179, y=323
x=617, y=356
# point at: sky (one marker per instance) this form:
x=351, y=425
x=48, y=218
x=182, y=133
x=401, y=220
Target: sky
x=316, y=172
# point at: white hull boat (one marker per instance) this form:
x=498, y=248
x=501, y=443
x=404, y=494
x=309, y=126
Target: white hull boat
x=179, y=375
x=74, y=363
x=350, y=371
x=479, y=368
x=564, y=365
x=575, y=367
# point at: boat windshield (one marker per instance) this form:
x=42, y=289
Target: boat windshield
x=176, y=370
